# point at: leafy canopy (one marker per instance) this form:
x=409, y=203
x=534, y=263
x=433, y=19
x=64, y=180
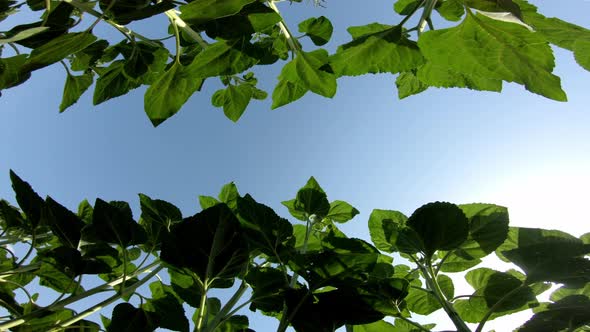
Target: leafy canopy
x=484, y=44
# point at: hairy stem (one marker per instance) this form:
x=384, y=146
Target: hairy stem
x=284, y=29
x=74, y=298
x=430, y=277
x=106, y=302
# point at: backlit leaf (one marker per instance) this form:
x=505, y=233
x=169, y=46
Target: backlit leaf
x=318, y=29
x=74, y=88
x=309, y=67
x=58, y=48
x=198, y=12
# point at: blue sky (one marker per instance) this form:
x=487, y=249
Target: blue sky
x=364, y=146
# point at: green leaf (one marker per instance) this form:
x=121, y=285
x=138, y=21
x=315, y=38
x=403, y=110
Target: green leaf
x=295, y=210
x=289, y=88
x=184, y=284
x=58, y=48
x=112, y=82
x=157, y=217
x=28, y=200
x=165, y=305
x=199, y=12
x=582, y=53
x=10, y=217
x=318, y=29
x=252, y=18
x=66, y=225
x=268, y=286
x=405, y=7
x=440, y=225
x=484, y=47
x=128, y=318
x=207, y=202
x=236, y=99
x=443, y=77
x=143, y=60
x=312, y=202
x=210, y=243
x=341, y=211
x=310, y=68
x=23, y=35
x=113, y=224
x=565, y=291
x=89, y=56
x=456, y=262
x=383, y=228
x=385, y=51
x=166, y=95
x=446, y=285
x=451, y=10
x=85, y=211
x=227, y=57
x=503, y=6
x=421, y=302
x=74, y=88
x=491, y=287
x=568, y=313
x=263, y=228
x=229, y=195
x=11, y=71
x=408, y=84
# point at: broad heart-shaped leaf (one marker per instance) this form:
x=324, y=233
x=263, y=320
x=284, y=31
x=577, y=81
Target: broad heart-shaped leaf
x=341, y=211
x=505, y=6
x=254, y=17
x=565, y=291
x=289, y=88
x=491, y=287
x=210, y=243
x=143, y=62
x=568, y=314
x=11, y=73
x=383, y=228
x=318, y=29
x=28, y=200
x=483, y=47
x=199, y=12
x=74, y=88
x=408, y=84
x=66, y=225
x=229, y=195
x=582, y=53
x=58, y=48
x=10, y=217
x=384, y=51
x=167, y=307
x=347, y=259
x=327, y=311
x=443, y=77
x=227, y=57
x=263, y=228
x=440, y=225
x=126, y=317
x=451, y=10
x=166, y=95
x=488, y=228
x=235, y=100
x=422, y=302
x=268, y=285
x=207, y=201
x=88, y=57
x=312, y=202
x=112, y=82
x=186, y=285
x=157, y=217
x=113, y=223
x=405, y=7
x=315, y=73
x=398, y=326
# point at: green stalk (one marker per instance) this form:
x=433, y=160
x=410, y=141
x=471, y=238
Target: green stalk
x=106, y=302
x=428, y=7
x=432, y=283
x=202, y=308
x=284, y=29
x=180, y=23
x=74, y=298
x=496, y=305
x=223, y=313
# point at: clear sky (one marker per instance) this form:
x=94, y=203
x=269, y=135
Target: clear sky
x=364, y=146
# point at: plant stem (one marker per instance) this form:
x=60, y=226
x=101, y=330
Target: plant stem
x=84, y=7
x=407, y=18
x=284, y=29
x=202, y=308
x=428, y=7
x=223, y=313
x=496, y=305
x=106, y=302
x=74, y=298
x=180, y=23
x=429, y=276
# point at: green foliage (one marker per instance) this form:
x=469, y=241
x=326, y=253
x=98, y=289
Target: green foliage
x=309, y=276
x=224, y=39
